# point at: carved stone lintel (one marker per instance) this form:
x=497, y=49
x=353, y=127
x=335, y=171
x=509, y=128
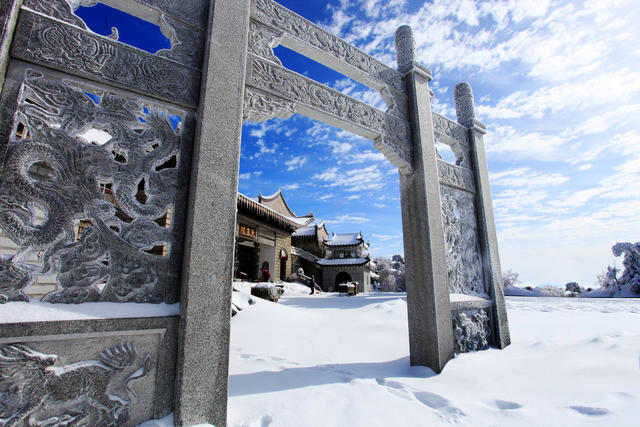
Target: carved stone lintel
x=262, y=40
x=471, y=330
x=89, y=392
x=456, y=176
x=274, y=15
x=85, y=53
x=260, y=106
x=464, y=269
x=343, y=110
x=186, y=42
x=449, y=129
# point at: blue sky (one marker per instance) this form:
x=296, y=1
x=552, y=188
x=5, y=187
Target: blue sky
x=557, y=85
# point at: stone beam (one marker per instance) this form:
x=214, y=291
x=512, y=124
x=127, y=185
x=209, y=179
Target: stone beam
x=309, y=39
x=320, y=102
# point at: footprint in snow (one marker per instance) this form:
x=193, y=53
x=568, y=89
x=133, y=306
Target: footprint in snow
x=506, y=405
x=431, y=400
x=590, y=410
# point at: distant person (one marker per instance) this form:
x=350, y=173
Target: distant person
x=265, y=272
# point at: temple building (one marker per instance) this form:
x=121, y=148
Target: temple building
x=263, y=234
x=345, y=261
x=269, y=231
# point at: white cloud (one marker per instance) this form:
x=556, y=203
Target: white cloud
x=348, y=219
x=338, y=147
x=525, y=177
x=290, y=187
x=295, y=162
x=367, y=156
x=352, y=179
x=246, y=175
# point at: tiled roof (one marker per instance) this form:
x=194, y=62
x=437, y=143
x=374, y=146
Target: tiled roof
x=346, y=239
x=342, y=261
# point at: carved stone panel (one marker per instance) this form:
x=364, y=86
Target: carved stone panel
x=104, y=214
x=331, y=106
x=259, y=106
x=456, y=176
x=471, y=330
x=449, y=130
x=464, y=267
x=68, y=375
x=186, y=41
x=84, y=53
x=262, y=40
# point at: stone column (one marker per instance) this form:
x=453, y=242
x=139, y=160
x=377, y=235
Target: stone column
x=466, y=115
x=8, y=18
x=429, y=309
x=203, y=353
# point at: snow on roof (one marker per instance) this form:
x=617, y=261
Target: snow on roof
x=309, y=230
x=344, y=239
x=342, y=261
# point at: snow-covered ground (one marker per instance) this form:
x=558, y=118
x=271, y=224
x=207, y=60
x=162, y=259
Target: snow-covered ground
x=327, y=360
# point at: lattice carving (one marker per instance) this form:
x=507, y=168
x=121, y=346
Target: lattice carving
x=271, y=78
x=456, y=176
x=464, y=268
x=122, y=191
x=272, y=14
x=471, y=330
x=36, y=392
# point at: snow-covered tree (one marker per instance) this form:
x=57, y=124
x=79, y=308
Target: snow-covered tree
x=391, y=273
x=510, y=278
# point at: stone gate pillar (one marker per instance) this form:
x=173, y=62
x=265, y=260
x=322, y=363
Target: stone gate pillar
x=429, y=309
x=465, y=113
x=203, y=357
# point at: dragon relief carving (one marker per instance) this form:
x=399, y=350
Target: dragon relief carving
x=464, y=269
x=272, y=78
x=111, y=259
x=35, y=392
x=471, y=330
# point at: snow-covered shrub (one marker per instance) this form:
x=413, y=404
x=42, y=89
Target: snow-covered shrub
x=572, y=287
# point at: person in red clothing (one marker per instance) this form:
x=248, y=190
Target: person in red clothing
x=265, y=272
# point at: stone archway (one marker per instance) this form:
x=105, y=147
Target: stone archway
x=342, y=277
